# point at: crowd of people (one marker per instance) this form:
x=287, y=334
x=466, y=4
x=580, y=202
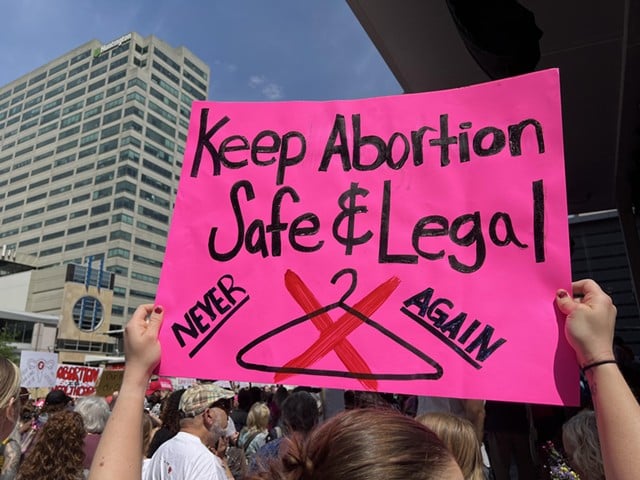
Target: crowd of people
x=209, y=432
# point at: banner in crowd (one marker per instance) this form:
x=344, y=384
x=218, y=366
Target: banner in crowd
x=408, y=244
x=77, y=381
x=110, y=382
x=38, y=369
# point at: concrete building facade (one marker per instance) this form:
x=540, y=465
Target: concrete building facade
x=90, y=157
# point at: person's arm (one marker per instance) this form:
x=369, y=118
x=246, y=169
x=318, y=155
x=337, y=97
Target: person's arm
x=119, y=452
x=589, y=329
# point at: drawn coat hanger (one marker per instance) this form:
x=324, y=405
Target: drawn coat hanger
x=333, y=335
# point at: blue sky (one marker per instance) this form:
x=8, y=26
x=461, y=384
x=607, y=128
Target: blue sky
x=257, y=50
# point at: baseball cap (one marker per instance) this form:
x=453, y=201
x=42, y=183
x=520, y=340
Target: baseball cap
x=197, y=399
x=57, y=397
x=159, y=384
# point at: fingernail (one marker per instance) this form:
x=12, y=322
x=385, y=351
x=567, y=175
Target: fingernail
x=158, y=309
x=562, y=294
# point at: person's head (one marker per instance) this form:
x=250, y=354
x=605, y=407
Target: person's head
x=299, y=412
x=459, y=436
x=9, y=396
x=281, y=395
x=170, y=415
x=95, y=413
x=349, y=399
x=58, y=452
x=367, y=444
x=258, y=418
x=244, y=399
x=198, y=415
x=55, y=401
x=370, y=400
x=581, y=443
x=158, y=389
x=256, y=394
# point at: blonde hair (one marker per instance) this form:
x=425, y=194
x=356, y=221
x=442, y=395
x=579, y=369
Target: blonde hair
x=581, y=432
x=460, y=438
x=9, y=381
x=258, y=418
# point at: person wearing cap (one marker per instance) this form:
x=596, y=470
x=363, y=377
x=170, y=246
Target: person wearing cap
x=55, y=401
x=188, y=454
x=156, y=393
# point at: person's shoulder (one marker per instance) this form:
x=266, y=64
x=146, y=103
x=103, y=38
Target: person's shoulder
x=270, y=449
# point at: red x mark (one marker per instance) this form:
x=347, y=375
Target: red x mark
x=333, y=335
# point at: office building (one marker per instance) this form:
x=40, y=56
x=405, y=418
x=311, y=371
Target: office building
x=90, y=156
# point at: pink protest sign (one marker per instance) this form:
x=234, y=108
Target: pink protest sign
x=408, y=244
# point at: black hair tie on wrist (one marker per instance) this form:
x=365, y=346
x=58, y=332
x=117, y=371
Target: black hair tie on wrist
x=596, y=364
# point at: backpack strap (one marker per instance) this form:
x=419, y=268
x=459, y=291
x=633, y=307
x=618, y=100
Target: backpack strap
x=249, y=439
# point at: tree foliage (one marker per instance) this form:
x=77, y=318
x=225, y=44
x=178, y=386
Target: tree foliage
x=6, y=349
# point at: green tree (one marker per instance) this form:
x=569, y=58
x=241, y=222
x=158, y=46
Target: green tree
x=6, y=349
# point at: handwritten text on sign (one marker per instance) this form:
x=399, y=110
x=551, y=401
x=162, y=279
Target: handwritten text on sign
x=408, y=244
x=77, y=381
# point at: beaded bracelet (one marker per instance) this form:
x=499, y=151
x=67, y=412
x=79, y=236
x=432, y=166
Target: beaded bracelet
x=595, y=364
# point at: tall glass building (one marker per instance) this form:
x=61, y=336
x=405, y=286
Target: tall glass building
x=90, y=156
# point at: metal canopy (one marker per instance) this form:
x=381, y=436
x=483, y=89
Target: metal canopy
x=596, y=45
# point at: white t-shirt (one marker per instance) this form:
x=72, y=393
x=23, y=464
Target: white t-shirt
x=184, y=457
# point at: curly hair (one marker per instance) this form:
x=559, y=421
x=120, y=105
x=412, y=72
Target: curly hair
x=364, y=444
x=59, y=449
x=580, y=439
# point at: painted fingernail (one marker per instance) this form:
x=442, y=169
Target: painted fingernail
x=562, y=294
x=158, y=309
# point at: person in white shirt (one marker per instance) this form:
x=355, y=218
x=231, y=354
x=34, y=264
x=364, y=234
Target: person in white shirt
x=188, y=454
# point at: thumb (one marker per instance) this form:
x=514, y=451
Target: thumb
x=155, y=320
x=565, y=303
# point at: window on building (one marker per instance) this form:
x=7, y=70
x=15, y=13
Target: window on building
x=78, y=229
x=88, y=313
x=164, y=99
x=151, y=228
x=105, y=162
x=122, y=217
x=95, y=98
x=126, y=186
x=96, y=72
x=74, y=246
x=118, y=252
x=79, y=213
x=155, y=215
x=120, y=235
x=98, y=209
x=124, y=202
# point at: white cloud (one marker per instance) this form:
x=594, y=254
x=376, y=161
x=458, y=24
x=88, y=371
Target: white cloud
x=272, y=91
x=256, y=80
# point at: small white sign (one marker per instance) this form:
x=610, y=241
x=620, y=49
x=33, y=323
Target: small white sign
x=38, y=369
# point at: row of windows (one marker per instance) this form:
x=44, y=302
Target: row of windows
x=74, y=71
x=100, y=239
x=54, y=92
x=196, y=69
